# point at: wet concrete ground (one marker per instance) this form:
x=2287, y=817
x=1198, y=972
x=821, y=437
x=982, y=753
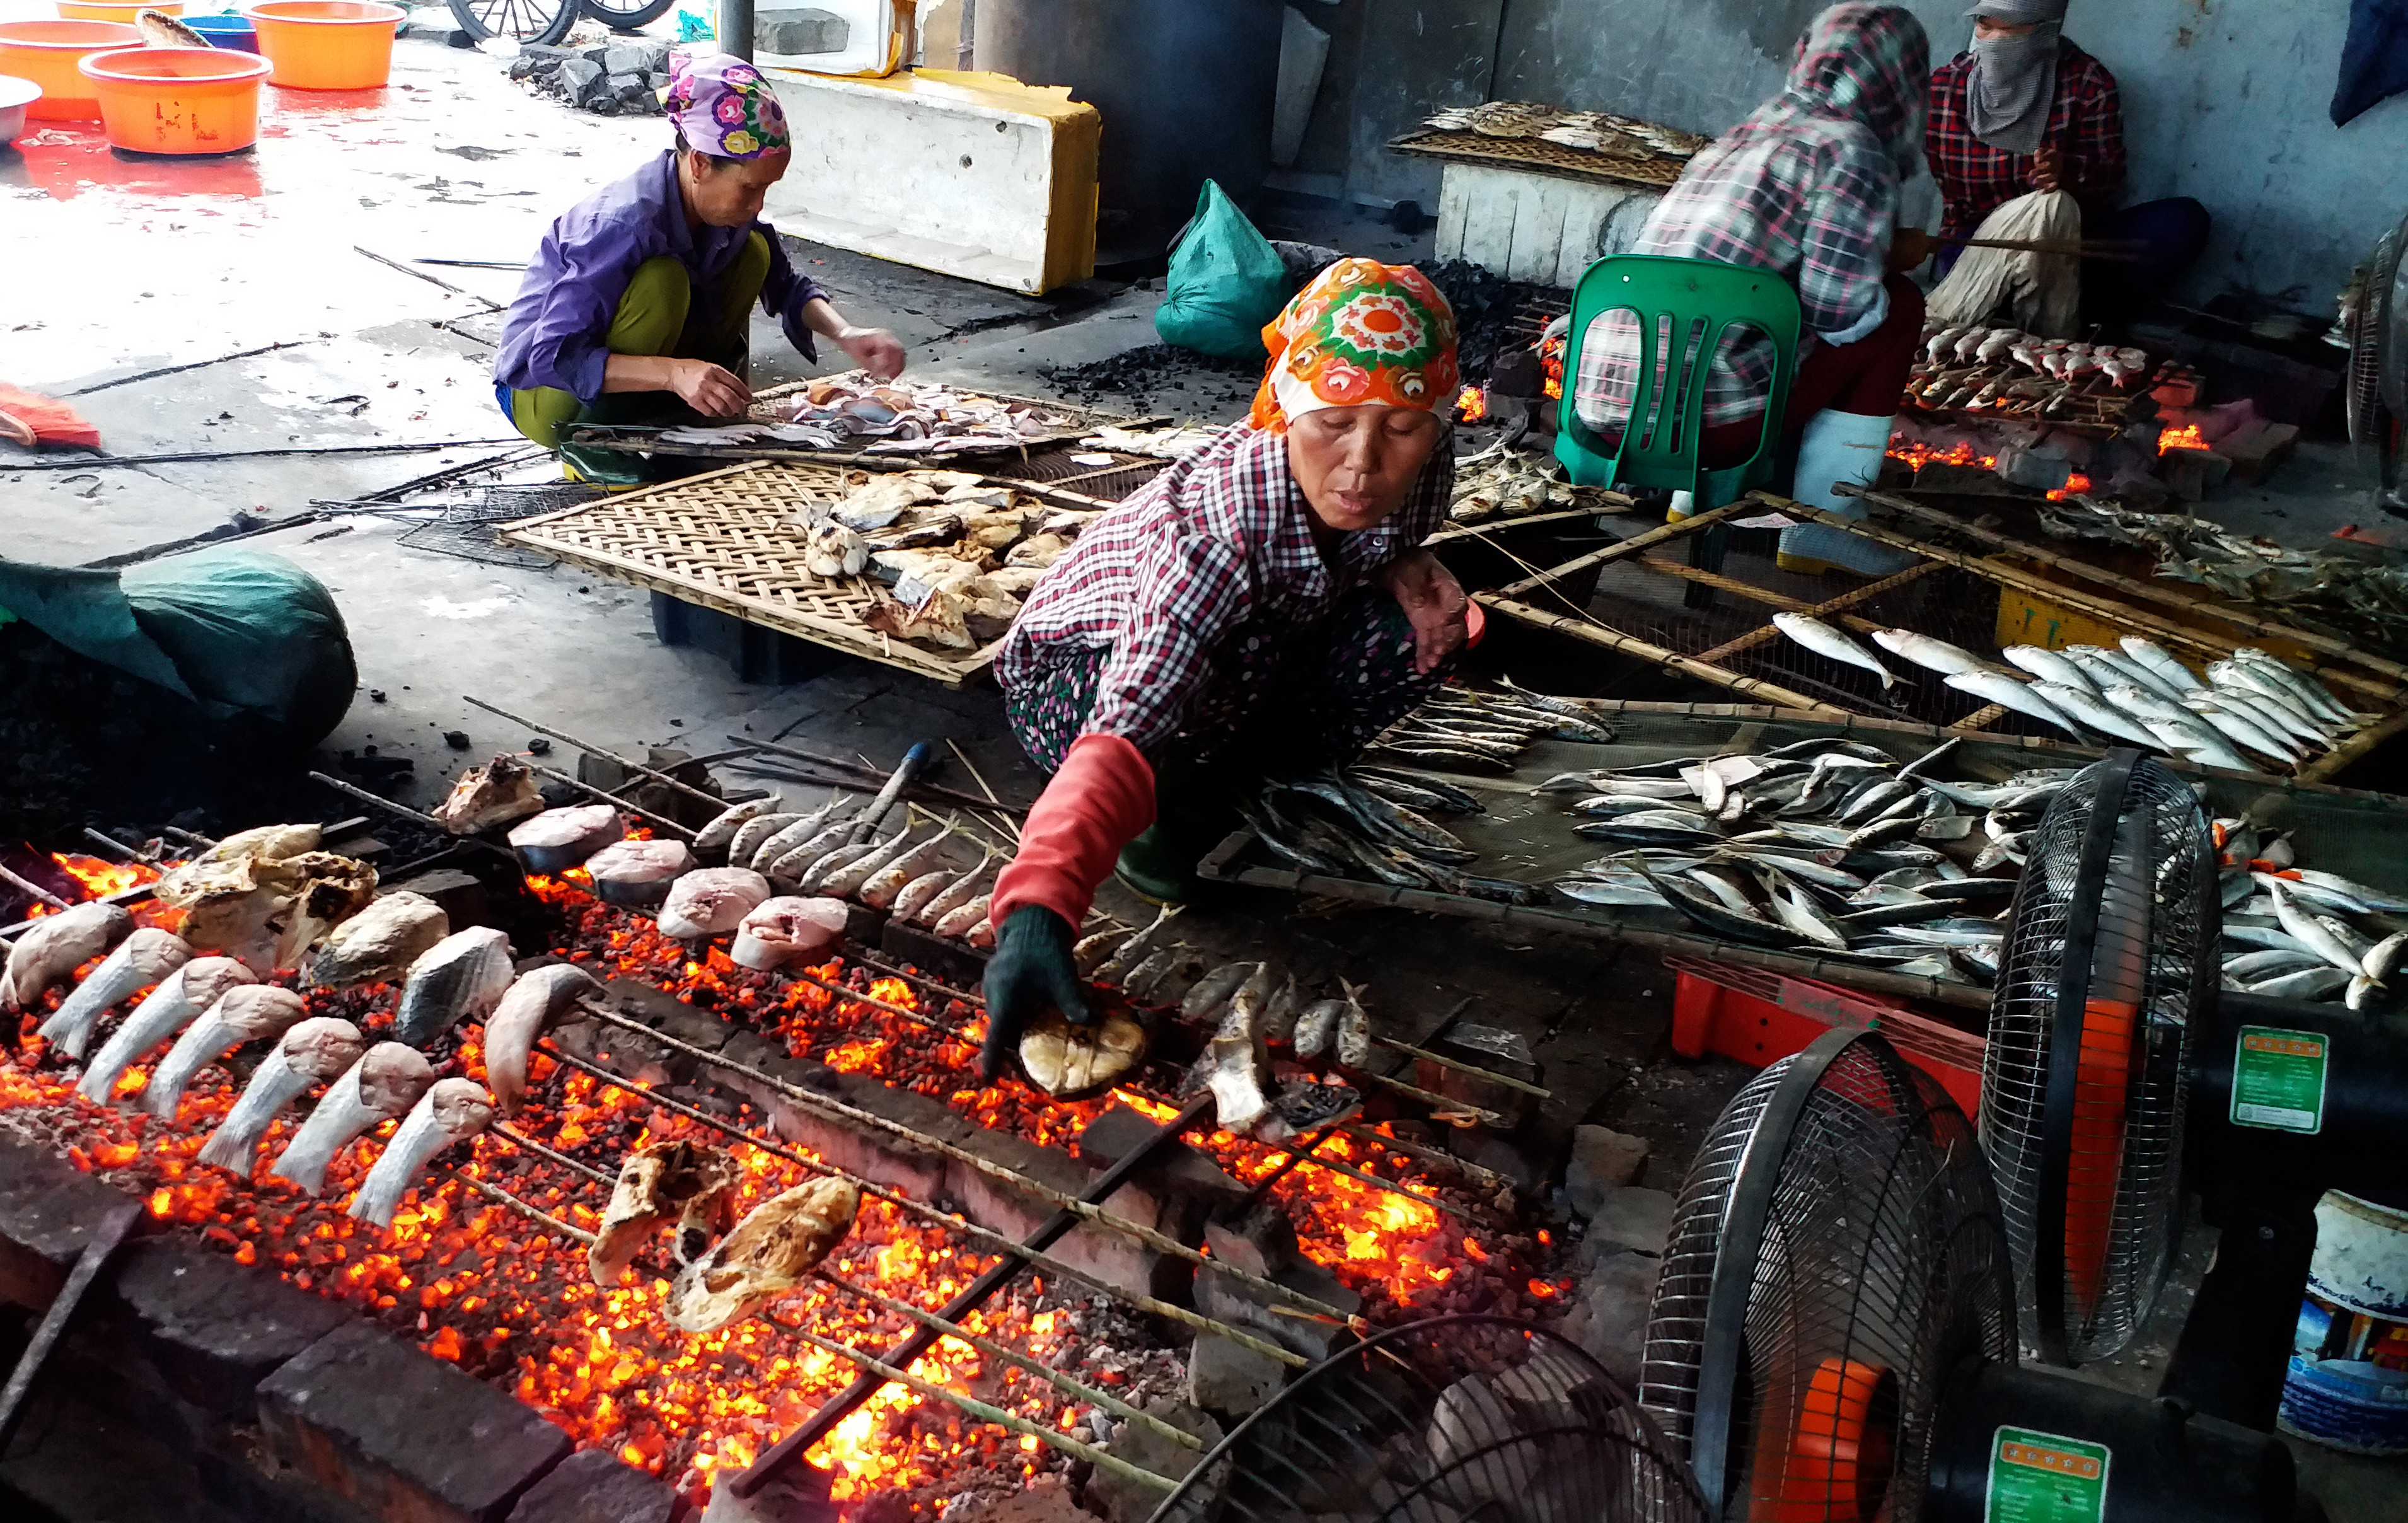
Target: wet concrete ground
x=233, y=304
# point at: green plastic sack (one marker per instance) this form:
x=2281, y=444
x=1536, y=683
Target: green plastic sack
x=239, y=632
x=1226, y=282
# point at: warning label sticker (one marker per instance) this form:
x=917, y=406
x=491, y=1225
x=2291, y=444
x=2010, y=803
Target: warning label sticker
x=2040, y=1477
x=2278, y=1080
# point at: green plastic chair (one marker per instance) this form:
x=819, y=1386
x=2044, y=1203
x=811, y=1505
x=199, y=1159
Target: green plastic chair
x=1664, y=451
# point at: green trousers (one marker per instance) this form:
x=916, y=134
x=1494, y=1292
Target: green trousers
x=656, y=316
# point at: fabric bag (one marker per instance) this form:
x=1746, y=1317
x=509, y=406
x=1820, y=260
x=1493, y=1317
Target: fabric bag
x=2041, y=294
x=1226, y=282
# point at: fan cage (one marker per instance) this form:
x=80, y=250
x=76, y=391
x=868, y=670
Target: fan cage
x=1441, y=1420
x=1882, y=1270
x=2121, y=1197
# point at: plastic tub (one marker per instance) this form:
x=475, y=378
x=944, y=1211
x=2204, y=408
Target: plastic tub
x=15, y=96
x=326, y=44
x=109, y=10
x=229, y=32
x=177, y=100
x=47, y=54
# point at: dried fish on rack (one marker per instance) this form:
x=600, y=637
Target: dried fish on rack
x=1508, y=484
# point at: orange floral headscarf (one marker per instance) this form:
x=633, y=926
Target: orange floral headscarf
x=1362, y=332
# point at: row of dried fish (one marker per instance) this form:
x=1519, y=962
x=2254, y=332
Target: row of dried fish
x=1509, y=484
x=1466, y=729
x=1603, y=133
x=852, y=412
x=1827, y=845
x=2251, y=705
x=2291, y=932
x=2351, y=599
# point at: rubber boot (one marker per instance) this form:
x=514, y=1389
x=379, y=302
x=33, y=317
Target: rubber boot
x=1684, y=504
x=1192, y=813
x=1839, y=448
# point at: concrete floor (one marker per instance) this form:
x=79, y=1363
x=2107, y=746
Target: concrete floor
x=227, y=304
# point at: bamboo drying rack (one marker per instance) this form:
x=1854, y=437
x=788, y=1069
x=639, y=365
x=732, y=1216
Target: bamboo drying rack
x=2367, y=681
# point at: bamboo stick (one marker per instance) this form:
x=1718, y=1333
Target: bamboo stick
x=592, y=750
x=1613, y=639
x=2257, y=623
x=2333, y=763
x=1988, y=714
x=1845, y=600
x=1633, y=545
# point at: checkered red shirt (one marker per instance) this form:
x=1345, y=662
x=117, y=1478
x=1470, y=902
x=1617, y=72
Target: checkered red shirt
x=1217, y=547
x=2086, y=126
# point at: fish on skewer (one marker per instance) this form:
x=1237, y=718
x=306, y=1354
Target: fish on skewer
x=451, y=1111
x=887, y=873
x=788, y=929
x=244, y=1013
x=379, y=944
x=312, y=1052
x=1115, y=969
x=710, y=901
x=174, y=1004
x=141, y=961
x=772, y=1250
x=1929, y=653
x=1824, y=641
x=531, y=1006
x=2052, y=666
x=690, y=1182
x=716, y=836
x=459, y=978
x=58, y=946
x=745, y=844
x=385, y=1082
x=1067, y=1061
x=914, y=896
x=962, y=891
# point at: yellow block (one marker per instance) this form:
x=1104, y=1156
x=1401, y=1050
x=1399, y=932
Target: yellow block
x=2026, y=618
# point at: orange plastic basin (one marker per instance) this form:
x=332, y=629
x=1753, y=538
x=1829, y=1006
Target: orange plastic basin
x=177, y=100
x=326, y=44
x=108, y=10
x=46, y=53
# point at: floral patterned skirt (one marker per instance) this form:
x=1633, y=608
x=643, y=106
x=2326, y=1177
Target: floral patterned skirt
x=1285, y=703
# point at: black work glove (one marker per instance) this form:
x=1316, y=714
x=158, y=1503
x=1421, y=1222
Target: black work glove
x=1031, y=972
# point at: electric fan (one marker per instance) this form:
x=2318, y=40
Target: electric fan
x=1833, y=1337
x=1455, y=1419
x=2374, y=327
x=2109, y=956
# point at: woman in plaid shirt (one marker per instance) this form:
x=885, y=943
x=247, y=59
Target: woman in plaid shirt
x=2024, y=109
x=1261, y=605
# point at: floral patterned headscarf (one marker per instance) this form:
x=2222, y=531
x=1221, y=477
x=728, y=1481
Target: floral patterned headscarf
x=722, y=106
x=1360, y=332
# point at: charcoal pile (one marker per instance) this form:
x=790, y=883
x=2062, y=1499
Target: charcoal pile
x=1486, y=305
x=622, y=77
x=1138, y=374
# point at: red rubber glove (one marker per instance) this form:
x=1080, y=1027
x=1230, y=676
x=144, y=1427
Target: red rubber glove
x=1100, y=800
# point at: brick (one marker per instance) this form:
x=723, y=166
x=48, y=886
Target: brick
x=590, y=1487
x=1630, y=1217
x=1231, y=1379
x=403, y=1437
x=1228, y=1300
x=1125, y=1501
x=1177, y=1168
x=48, y=1210
x=212, y=1328
x=1602, y=1159
x=1610, y=1319
x=796, y=33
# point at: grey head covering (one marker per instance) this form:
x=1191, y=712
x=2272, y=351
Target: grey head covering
x=2013, y=84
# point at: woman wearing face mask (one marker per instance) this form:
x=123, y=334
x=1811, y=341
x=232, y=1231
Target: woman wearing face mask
x=2024, y=109
x=1260, y=607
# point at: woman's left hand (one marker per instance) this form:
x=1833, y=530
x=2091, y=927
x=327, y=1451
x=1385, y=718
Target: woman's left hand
x=1433, y=600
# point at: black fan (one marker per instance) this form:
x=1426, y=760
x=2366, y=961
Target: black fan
x=2375, y=324
x=1456, y=1419
x=1833, y=1339
x=2109, y=954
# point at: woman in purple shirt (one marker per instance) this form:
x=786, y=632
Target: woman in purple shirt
x=637, y=306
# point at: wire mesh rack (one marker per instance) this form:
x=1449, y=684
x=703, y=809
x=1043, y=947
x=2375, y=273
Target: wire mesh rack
x=466, y=529
x=2083, y=1082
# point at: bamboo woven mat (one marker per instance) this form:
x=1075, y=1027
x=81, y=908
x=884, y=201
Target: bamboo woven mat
x=720, y=540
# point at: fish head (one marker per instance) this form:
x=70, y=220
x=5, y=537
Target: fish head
x=320, y=1048
x=260, y=1010
x=392, y=1077
x=459, y=1107
x=205, y=980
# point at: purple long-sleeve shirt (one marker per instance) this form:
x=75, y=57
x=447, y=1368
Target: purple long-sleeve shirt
x=556, y=328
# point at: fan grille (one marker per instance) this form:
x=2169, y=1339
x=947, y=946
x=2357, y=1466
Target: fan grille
x=1440, y=1420
x=2153, y=911
x=1881, y=1269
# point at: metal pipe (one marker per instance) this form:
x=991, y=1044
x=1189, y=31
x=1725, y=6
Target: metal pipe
x=898, y=1360
x=736, y=27
x=592, y=750
x=1090, y=1210
x=1035, y=1257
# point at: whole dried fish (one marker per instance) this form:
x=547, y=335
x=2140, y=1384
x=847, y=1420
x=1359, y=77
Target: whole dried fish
x=57, y=946
x=963, y=890
x=1353, y=1041
x=914, y=896
x=961, y=922
x=745, y=844
x=1824, y=641
x=720, y=833
x=244, y=1013
x=531, y=1006
x=385, y=1082
x=379, y=944
x=459, y=978
x=314, y=1052
x=141, y=961
x=1214, y=989
x=451, y=1111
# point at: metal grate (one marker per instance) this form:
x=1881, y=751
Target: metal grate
x=466, y=529
x=1438, y=1421
x=2088, y=1166
x=1845, y=1217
